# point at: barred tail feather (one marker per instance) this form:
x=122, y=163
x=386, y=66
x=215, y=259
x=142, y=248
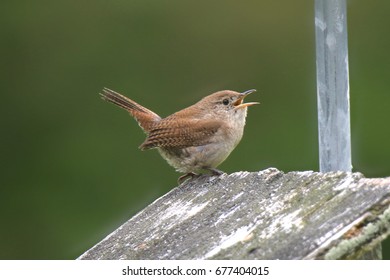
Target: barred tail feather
x=145, y=117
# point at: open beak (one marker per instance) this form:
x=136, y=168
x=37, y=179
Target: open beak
x=238, y=103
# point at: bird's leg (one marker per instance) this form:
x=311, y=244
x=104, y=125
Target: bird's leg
x=185, y=176
x=214, y=171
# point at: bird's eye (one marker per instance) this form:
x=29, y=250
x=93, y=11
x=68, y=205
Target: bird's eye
x=225, y=101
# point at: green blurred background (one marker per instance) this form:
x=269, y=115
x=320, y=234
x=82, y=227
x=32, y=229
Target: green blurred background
x=71, y=171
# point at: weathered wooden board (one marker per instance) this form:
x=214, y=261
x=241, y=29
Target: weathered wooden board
x=257, y=215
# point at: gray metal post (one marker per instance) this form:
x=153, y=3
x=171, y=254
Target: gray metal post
x=333, y=85
x=334, y=131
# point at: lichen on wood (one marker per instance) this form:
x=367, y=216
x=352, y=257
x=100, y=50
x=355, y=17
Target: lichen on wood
x=257, y=215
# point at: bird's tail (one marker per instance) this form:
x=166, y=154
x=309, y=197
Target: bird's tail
x=145, y=117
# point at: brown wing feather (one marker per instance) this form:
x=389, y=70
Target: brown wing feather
x=187, y=133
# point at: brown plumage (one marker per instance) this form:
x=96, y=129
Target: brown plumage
x=198, y=137
x=145, y=118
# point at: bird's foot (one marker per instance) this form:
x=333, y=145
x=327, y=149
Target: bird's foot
x=191, y=175
x=186, y=176
x=215, y=172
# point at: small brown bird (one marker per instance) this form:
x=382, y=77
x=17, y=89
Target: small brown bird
x=196, y=138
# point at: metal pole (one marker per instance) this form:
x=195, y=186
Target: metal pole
x=334, y=131
x=332, y=85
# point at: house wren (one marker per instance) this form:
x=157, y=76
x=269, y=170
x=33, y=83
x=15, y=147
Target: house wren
x=196, y=138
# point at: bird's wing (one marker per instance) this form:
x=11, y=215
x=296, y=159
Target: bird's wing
x=186, y=133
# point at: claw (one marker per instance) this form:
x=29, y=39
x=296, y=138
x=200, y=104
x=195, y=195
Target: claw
x=185, y=176
x=215, y=172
